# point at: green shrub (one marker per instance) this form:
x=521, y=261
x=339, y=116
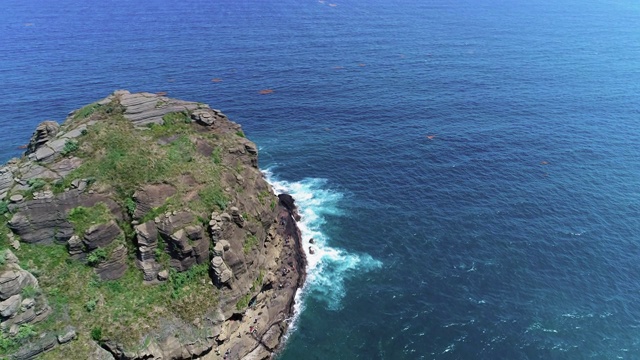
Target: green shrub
x=154, y=213
x=96, y=257
x=6, y=343
x=240, y=133
x=25, y=331
x=130, y=205
x=69, y=147
x=4, y=207
x=96, y=333
x=263, y=195
x=36, y=184
x=3, y=257
x=90, y=305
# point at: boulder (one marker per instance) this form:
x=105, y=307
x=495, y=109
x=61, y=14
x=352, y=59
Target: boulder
x=147, y=240
x=237, y=216
x=74, y=246
x=222, y=273
x=10, y=307
x=36, y=347
x=13, y=280
x=99, y=353
x=68, y=335
x=65, y=166
x=163, y=275
x=45, y=131
x=203, y=116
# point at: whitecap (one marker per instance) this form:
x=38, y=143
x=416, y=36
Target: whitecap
x=328, y=267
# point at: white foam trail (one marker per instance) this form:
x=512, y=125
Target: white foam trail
x=328, y=267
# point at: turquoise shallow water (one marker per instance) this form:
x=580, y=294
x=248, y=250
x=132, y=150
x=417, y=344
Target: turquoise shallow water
x=513, y=233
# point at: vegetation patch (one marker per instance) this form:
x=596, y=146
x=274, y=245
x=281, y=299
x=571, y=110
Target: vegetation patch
x=30, y=292
x=82, y=218
x=154, y=213
x=36, y=184
x=179, y=280
x=174, y=118
x=263, y=196
x=69, y=147
x=86, y=111
x=120, y=158
x=9, y=343
x=130, y=206
x=249, y=243
x=4, y=207
x=125, y=309
x=213, y=198
x=96, y=257
x=216, y=155
x=181, y=150
x=243, y=302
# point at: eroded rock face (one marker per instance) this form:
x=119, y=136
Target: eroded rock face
x=147, y=238
x=44, y=220
x=151, y=196
x=147, y=108
x=115, y=266
x=17, y=304
x=101, y=235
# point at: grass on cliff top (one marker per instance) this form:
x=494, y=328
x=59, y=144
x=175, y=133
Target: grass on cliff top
x=126, y=158
x=82, y=218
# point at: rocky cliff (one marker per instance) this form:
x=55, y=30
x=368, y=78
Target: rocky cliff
x=141, y=228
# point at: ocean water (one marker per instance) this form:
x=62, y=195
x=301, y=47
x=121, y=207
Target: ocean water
x=470, y=170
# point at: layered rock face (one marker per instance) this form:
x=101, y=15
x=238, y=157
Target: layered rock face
x=150, y=198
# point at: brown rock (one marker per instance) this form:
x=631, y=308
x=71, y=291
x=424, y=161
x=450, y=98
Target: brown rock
x=101, y=235
x=44, y=132
x=114, y=267
x=151, y=196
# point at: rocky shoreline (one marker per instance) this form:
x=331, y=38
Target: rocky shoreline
x=142, y=228
x=265, y=323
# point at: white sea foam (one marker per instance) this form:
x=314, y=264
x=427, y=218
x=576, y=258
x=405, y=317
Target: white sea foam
x=329, y=266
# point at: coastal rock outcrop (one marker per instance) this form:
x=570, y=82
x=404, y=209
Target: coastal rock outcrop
x=149, y=222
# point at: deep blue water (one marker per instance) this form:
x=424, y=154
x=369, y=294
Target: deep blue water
x=513, y=233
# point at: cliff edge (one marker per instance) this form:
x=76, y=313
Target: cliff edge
x=142, y=228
